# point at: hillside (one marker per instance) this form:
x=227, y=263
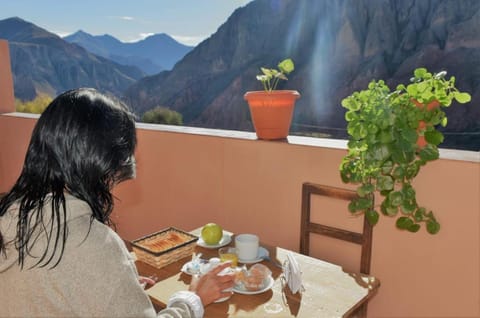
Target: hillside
x=44, y=63
x=338, y=47
x=153, y=54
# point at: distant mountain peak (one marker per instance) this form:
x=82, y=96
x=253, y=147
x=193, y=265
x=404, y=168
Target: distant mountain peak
x=79, y=34
x=153, y=54
x=21, y=30
x=159, y=36
x=16, y=19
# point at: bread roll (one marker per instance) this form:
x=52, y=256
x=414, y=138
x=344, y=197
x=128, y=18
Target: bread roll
x=254, y=279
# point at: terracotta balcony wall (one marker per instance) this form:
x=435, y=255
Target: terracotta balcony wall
x=6, y=80
x=187, y=177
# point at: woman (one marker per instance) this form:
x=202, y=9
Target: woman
x=58, y=255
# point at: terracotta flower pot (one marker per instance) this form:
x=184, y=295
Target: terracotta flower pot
x=421, y=142
x=272, y=112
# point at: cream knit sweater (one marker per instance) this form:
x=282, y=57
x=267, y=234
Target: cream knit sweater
x=96, y=276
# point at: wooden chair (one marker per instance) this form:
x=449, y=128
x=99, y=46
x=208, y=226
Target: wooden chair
x=364, y=239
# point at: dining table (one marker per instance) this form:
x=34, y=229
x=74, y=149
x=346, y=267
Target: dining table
x=328, y=290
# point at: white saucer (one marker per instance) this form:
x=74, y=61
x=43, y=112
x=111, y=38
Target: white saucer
x=222, y=299
x=262, y=252
x=268, y=285
x=226, y=239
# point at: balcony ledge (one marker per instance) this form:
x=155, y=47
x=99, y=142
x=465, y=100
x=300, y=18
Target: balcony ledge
x=447, y=154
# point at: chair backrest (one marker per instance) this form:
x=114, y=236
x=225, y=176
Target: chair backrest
x=364, y=238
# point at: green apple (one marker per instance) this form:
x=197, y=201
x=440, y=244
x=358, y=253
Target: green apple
x=212, y=233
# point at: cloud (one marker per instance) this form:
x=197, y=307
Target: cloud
x=117, y=17
x=62, y=34
x=189, y=40
x=141, y=36
x=146, y=35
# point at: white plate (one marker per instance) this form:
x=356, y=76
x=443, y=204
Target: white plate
x=268, y=286
x=262, y=252
x=222, y=299
x=226, y=239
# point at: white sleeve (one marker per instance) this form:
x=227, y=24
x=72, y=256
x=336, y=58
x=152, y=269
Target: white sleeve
x=191, y=299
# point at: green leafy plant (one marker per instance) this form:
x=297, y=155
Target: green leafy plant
x=35, y=106
x=383, y=151
x=162, y=115
x=427, y=87
x=271, y=77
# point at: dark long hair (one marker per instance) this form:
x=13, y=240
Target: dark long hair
x=82, y=144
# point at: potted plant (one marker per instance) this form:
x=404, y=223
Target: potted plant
x=272, y=110
x=428, y=92
x=384, y=152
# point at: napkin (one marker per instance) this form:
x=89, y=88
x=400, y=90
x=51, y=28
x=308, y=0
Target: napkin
x=293, y=274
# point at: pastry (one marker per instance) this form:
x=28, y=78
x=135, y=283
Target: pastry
x=253, y=279
x=164, y=241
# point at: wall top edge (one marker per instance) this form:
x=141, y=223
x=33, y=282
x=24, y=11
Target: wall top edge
x=447, y=154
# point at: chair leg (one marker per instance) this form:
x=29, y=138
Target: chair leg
x=361, y=312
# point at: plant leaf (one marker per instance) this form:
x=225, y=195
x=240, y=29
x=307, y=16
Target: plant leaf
x=350, y=115
x=286, y=66
x=352, y=206
x=395, y=198
x=433, y=227
x=408, y=207
x=420, y=72
x=413, y=228
x=387, y=167
x=384, y=183
x=267, y=72
x=412, y=170
x=404, y=222
x=363, y=203
x=434, y=137
x=365, y=189
x=462, y=98
x=372, y=216
x=398, y=172
x=429, y=153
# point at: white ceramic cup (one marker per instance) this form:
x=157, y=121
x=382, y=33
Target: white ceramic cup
x=247, y=246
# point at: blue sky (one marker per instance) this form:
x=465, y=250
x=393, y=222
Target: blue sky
x=188, y=21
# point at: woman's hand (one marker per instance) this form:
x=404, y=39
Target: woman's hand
x=147, y=281
x=211, y=286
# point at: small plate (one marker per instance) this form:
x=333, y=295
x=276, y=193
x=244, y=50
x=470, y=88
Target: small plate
x=187, y=268
x=262, y=252
x=226, y=239
x=268, y=286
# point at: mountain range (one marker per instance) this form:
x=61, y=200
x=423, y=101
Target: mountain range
x=338, y=47
x=42, y=62
x=153, y=54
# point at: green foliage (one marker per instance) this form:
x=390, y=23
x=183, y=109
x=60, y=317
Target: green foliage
x=36, y=106
x=162, y=115
x=427, y=87
x=383, y=153
x=271, y=77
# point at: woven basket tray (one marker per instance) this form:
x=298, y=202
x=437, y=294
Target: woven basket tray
x=164, y=247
